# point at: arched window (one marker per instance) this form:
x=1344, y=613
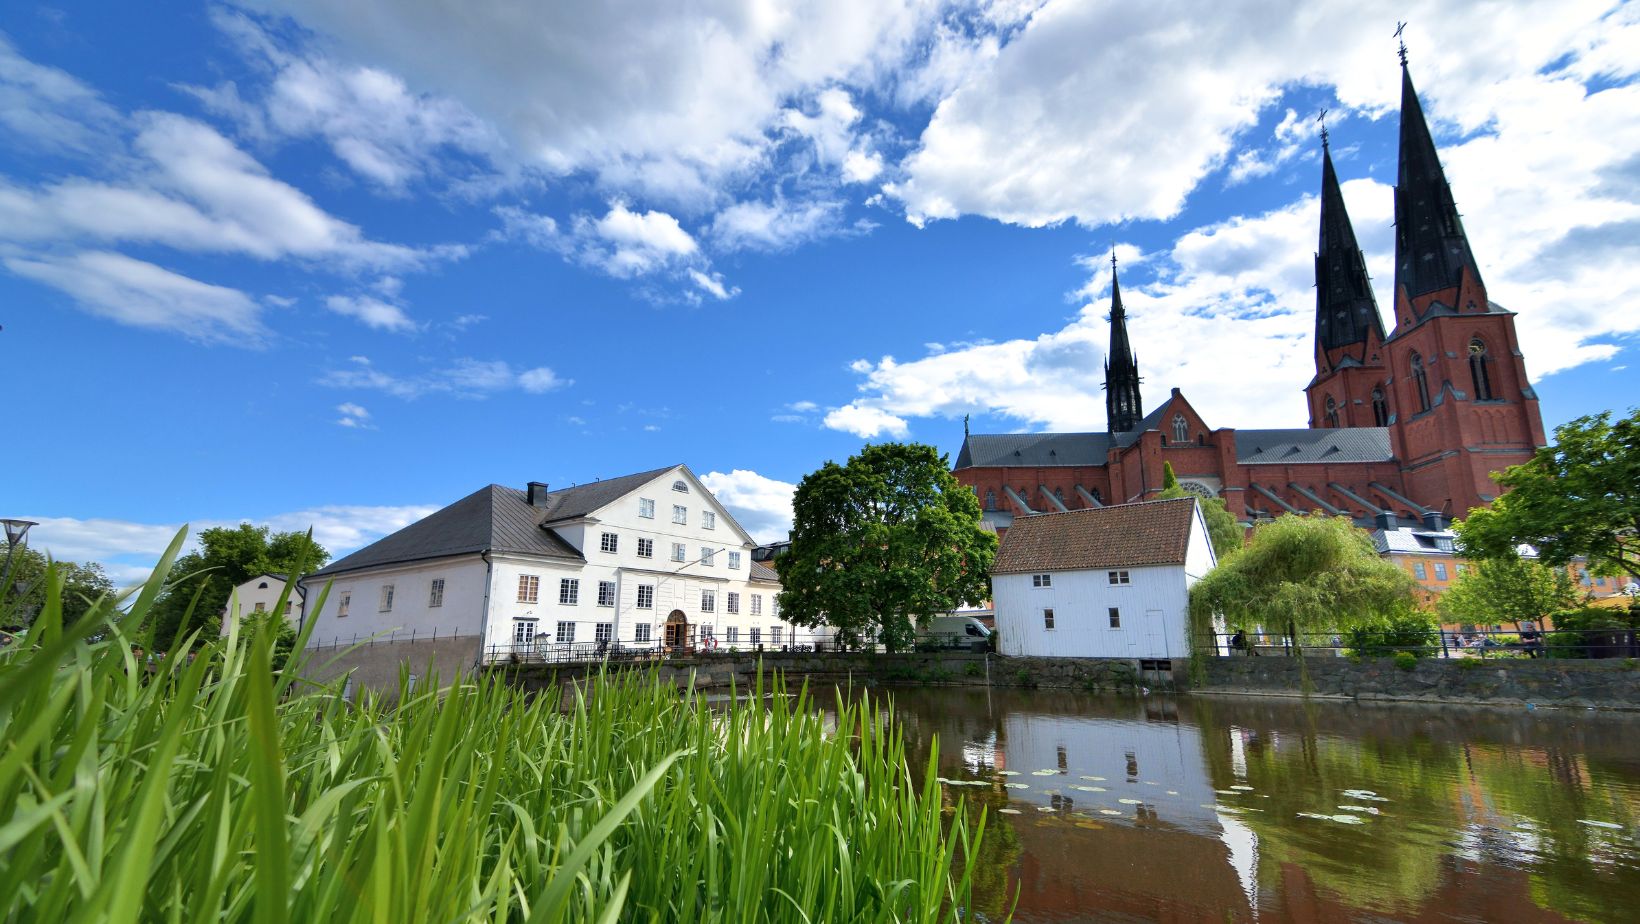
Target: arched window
x=1380, y=410
x=1181, y=429
x=1420, y=382
x=1059, y=495
x=1332, y=412
x=1478, y=371
x=990, y=499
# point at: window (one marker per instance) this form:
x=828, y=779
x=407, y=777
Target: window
x=1118, y=578
x=990, y=499
x=523, y=631
x=646, y=548
x=529, y=588
x=1332, y=412
x=677, y=551
x=343, y=604
x=774, y=605
x=734, y=561
x=731, y=636
x=1380, y=410
x=732, y=605
x=1420, y=382
x=680, y=514
x=646, y=508
x=1047, y=619
x=706, y=633
x=680, y=487
x=569, y=591
x=262, y=586
x=774, y=634
x=708, y=601
x=708, y=520
x=566, y=633
x=640, y=632
x=1419, y=572
x=1181, y=429
x=706, y=556
x=757, y=604
x=435, y=593
x=603, y=632
x=609, y=542
x=1041, y=580
x=386, y=603
x=606, y=593
x=1115, y=617
x=646, y=596
x=261, y=607
x=756, y=636
x=1440, y=571
x=1478, y=371
x=288, y=604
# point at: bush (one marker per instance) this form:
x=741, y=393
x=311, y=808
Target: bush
x=1415, y=634
x=1589, y=632
x=974, y=669
x=1406, y=660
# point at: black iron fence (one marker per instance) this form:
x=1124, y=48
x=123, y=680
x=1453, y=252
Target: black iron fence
x=1478, y=643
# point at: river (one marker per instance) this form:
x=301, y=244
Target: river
x=1160, y=808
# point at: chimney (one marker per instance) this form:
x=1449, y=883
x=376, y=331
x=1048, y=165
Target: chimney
x=1432, y=520
x=538, y=493
x=1386, y=520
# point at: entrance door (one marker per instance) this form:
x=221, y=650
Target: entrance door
x=675, y=634
x=1155, y=631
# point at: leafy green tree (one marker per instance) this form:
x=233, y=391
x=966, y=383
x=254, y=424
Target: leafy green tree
x=1303, y=574
x=1414, y=631
x=883, y=543
x=1507, y=589
x=227, y=556
x=1223, y=529
x=81, y=586
x=1577, y=498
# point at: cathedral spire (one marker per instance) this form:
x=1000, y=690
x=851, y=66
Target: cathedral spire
x=1122, y=407
x=1431, y=250
x=1346, y=314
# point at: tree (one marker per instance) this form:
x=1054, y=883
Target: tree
x=228, y=556
x=882, y=543
x=1507, y=589
x=81, y=586
x=1577, y=498
x=1303, y=574
x=1223, y=529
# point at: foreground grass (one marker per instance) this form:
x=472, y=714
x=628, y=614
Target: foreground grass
x=219, y=789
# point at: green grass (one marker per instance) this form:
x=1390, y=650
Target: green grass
x=218, y=788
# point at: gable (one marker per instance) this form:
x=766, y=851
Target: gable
x=658, y=486
x=1119, y=536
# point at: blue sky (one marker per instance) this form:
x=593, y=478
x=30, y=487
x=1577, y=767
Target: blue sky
x=324, y=264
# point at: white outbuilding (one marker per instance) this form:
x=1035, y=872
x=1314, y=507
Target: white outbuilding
x=259, y=595
x=1107, y=582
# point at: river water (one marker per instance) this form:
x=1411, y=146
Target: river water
x=1219, y=809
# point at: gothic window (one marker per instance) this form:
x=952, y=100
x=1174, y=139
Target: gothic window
x=1420, y=382
x=1059, y=495
x=1478, y=370
x=1332, y=412
x=990, y=499
x=1380, y=410
x=1181, y=429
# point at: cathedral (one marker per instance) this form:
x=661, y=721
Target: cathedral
x=1405, y=429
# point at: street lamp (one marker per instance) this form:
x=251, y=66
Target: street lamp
x=16, y=531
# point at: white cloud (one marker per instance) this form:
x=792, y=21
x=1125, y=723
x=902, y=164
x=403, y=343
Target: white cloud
x=372, y=312
x=628, y=243
x=774, y=225
x=540, y=380
x=463, y=378
x=803, y=407
x=353, y=417
x=762, y=505
x=866, y=420
x=49, y=106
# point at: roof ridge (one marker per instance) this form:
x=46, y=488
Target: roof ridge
x=1152, y=500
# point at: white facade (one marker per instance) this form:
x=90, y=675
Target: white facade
x=1128, y=612
x=260, y=594
x=359, y=606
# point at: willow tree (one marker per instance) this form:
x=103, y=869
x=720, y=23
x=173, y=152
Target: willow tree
x=1303, y=574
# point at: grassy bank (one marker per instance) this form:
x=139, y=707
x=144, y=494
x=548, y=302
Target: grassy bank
x=217, y=788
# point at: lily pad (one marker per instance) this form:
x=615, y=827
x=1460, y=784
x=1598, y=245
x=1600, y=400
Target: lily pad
x=1044, y=773
x=1172, y=792
x=1009, y=812
x=1131, y=801
x=1109, y=812
x=1045, y=808
x=1599, y=824
x=1096, y=779
x=1363, y=809
x=1242, y=788
x=1007, y=773
x=1016, y=785
x=1090, y=788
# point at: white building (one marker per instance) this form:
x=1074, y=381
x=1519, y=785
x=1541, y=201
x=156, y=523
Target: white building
x=648, y=560
x=260, y=594
x=1108, y=582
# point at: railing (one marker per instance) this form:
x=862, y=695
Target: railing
x=545, y=651
x=1479, y=643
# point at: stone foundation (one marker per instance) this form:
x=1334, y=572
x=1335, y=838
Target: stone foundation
x=1608, y=684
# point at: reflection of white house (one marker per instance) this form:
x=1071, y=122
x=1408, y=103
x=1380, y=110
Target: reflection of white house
x=1106, y=582
x=260, y=594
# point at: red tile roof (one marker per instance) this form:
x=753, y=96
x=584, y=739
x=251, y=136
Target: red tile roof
x=1119, y=536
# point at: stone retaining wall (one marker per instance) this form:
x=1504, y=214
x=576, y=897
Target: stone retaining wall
x=1612, y=684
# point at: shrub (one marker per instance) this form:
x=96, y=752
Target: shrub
x=1406, y=660
x=974, y=669
x=1415, y=633
x=1024, y=678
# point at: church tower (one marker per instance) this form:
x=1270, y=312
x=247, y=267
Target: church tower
x=1460, y=404
x=1347, y=390
x=1122, y=408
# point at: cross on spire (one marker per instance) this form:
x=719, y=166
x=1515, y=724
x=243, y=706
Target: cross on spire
x=1322, y=118
x=1400, y=27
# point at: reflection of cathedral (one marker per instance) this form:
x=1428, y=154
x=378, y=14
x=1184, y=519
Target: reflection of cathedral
x=1405, y=427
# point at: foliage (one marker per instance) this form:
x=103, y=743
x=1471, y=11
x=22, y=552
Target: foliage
x=79, y=586
x=1224, y=531
x=1414, y=632
x=215, y=788
x=1170, y=481
x=227, y=557
x=1588, y=632
x=1304, y=574
x=1577, y=498
x=883, y=543
x=1406, y=660
x=1508, y=588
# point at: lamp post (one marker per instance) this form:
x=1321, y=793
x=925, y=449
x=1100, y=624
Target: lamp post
x=16, y=532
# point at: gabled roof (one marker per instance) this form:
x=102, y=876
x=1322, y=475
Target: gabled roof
x=1119, y=536
x=762, y=572
x=1036, y=449
x=1327, y=444
x=1151, y=421
x=583, y=499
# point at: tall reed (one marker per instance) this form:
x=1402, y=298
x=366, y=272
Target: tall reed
x=219, y=788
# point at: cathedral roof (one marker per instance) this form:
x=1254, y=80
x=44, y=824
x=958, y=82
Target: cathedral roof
x=981, y=450
x=1345, y=311
x=1431, y=249
x=1328, y=444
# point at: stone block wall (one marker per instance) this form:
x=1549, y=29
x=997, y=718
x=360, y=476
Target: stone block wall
x=1542, y=681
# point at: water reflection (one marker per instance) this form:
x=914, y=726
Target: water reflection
x=1202, y=808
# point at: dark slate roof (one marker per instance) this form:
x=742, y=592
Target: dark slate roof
x=494, y=519
x=762, y=572
x=1331, y=444
x=1119, y=536
x=987, y=449
x=1431, y=250
x=1151, y=421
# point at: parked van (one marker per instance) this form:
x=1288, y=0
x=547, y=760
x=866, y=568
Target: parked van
x=953, y=632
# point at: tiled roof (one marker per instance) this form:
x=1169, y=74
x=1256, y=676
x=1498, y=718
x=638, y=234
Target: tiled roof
x=1119, y=536
x=1035, y=449
x=1331, y=444
x=762, y=572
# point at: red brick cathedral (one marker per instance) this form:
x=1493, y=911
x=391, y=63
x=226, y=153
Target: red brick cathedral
x=1404, y=429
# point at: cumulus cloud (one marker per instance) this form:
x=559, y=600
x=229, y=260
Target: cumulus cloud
x=775, y=225
x=762, y=505
x=50, y=107
x=625, y=243
x=353, y=417
x=462, y=378
x=372, y=312
x=866, y=419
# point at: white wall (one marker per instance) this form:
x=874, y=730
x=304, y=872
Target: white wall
x=1152, y=614
x=247, y=596
x=460, y=614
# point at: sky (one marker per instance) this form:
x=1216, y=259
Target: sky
x=336, y=265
